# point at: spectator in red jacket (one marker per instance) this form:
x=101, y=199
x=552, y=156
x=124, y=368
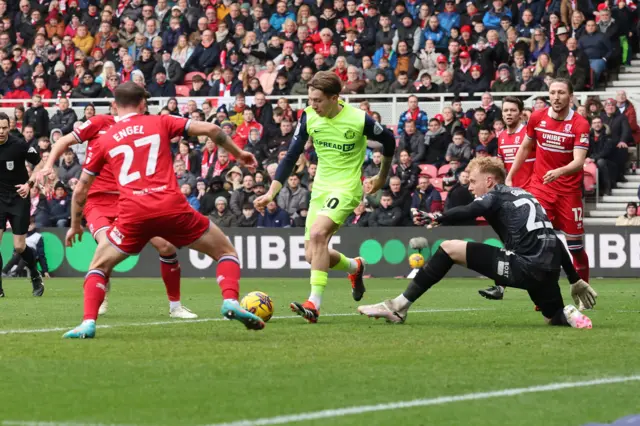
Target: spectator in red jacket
x=628, y=110
x=18, y=91
x=249, y=122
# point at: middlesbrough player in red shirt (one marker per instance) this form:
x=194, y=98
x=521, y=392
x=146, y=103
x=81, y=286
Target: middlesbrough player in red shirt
x=560, y=138
x=101, y=210
x=137, y=147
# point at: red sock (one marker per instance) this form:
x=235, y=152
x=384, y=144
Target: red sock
x=170, y=269
x=228, y=276
x=580, y=262
x=95, y=286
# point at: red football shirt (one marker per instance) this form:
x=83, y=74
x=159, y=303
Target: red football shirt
x=555, y=142
x=89, y=132
x=508, y=145
x=138, y=148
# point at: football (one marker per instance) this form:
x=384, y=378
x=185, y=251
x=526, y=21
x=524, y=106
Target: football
x=258, y=303
x=416, y=260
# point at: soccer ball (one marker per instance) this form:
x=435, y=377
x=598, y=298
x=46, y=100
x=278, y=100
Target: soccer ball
x=258, y=303
x=416, y=260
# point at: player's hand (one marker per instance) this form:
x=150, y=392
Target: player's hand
x=582, y=292
x=375, y=184
x=47, y=275
x=551, y=176
x=508, y=181
x=248, y=160
x=72, y=233
x=622, y=145
x=261, y=202
x=23, y=190
x=46, y=173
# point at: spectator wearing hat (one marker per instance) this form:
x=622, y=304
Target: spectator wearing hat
x=215, y=190
x=410, y=32
x=559, y=49
x=435, y=32
x=274, y=217
x=248, y=218
x=630, y=218
x=437, y=141
x=60, y=206
x=281, y=88
x=491, y=19
x=87, y=88
x=476, y=82
x=173, y=71
x=387, y=52
x=18, y=90
x=504, y=82
x=161, y=87
x=198, y=87
x=221, y=216
x=572, y=72
x=462, y=66
x=378, y=85
x=442, y=66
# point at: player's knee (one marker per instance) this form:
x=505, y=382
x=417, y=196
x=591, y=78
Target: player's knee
x=319, y=235
x=19, y=245
x=164, y=248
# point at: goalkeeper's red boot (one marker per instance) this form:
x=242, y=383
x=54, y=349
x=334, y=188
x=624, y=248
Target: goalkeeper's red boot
x=357, y=281
x=306, y=310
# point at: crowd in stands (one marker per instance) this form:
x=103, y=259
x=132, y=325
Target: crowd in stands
x=53, y=50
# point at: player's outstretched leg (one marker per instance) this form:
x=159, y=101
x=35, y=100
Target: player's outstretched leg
x=170, y=270
x=354, y=268
x=216, y=245
x=396, y=310
x=569, y=316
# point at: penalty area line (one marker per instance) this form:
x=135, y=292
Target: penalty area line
x=362, y=409
x=177, y=321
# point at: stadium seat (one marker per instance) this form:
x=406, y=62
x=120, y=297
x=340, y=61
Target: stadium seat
x=429, y=170
x=437, y=184
x=443, y=170
x=182, y=90
x=189, y=77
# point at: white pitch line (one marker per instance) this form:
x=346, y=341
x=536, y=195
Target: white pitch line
x=341, y=412
x=147, y=324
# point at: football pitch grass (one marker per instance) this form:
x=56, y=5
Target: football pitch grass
x=459, y=359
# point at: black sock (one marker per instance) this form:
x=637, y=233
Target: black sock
x=567, y=266
x=1, y=269
x=428, y=275
x=30, y=259
x=559, y=318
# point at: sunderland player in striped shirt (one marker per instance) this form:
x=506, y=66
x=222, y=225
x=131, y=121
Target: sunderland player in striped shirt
x=560, y=139
x=339, y=132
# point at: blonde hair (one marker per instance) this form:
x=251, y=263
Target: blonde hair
x=489, y=165
x=539, y=70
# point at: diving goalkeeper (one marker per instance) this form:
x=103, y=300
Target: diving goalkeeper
x=339, y=133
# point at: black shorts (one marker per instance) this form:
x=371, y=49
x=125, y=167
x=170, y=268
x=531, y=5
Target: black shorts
x=508, y=269
x=16, y=211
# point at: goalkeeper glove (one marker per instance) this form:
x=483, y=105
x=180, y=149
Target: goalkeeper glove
x=582, y=292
